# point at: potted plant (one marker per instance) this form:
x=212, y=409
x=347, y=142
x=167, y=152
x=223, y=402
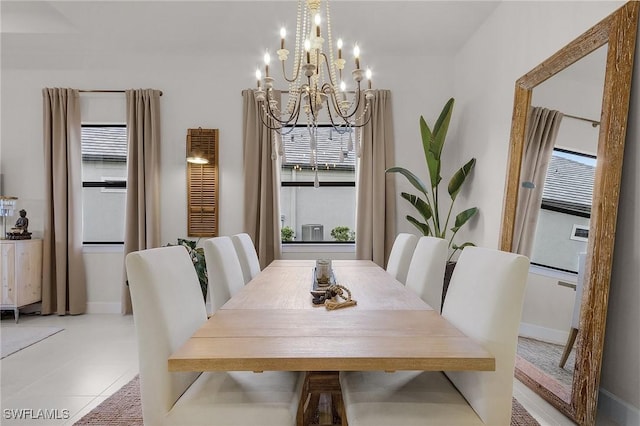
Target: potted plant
x=343, y=233
x=197, y=257
x=287, y=234
x=427, y=203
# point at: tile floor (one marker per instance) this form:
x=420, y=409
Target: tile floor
x=95, y=355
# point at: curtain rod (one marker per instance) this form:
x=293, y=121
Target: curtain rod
x=594, y=123
x=106, y=91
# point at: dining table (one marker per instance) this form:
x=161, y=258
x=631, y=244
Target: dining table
x=272, y=324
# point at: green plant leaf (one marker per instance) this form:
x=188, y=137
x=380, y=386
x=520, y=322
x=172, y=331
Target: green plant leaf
x=433, y=164
x=461, y=246
x=427, y=136
x=459, y=177
x=441, y=128
x=422, y=227
x=413, y=179
x=423, y=208
x=463, y=218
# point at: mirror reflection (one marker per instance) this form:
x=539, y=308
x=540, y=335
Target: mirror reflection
x=553, y=213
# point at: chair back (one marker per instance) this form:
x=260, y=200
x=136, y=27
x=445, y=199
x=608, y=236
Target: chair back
x=247, y=256
x=400, y=256
x=484, y=301
x=577, y=305
x=426, y=271
x=223, y=270
x=167, y=310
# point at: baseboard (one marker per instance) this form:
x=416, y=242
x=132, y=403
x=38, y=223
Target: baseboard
x=549, y=335
x=613, y=408
x=103, y=308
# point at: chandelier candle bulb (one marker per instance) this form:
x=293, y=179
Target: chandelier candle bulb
x=267, y=59
x=356, y=55
x=369, y=77
x=307, y=48
x=317, y=20
x=339, y=48
x=283, y=34
x=258, y=77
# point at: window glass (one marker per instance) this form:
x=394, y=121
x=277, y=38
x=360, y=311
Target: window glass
x=310, y=214
x=563, y=222
x=104, y=176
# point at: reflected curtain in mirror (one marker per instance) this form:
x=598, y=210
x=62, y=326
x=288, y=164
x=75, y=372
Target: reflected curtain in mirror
x=542, y=130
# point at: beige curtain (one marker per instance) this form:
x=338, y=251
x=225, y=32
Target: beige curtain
x=542, y=130
x=64, y=287
x=261, y=181
x=375, y=208
x=142, y=217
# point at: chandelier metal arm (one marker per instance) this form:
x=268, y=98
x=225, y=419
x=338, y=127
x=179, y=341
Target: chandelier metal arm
x=326, y=61
x=284, y=73
x=355, y=125
x=326, y=87
x=293, y=117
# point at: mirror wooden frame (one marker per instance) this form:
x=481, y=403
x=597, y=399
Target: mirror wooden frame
x=619, y=30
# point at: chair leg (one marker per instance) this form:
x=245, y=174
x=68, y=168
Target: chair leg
x=567, y=349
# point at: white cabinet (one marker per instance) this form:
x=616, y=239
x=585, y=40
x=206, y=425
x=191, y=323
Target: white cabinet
x=20, y=273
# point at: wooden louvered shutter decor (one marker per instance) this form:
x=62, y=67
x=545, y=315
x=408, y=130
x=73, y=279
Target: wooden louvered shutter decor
x=202, y=184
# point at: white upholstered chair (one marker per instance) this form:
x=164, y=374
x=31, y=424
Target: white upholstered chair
x=167, y=310
x=484, y=301
x=400, y=256
x=246, y=255
x=426, y=271
x=223, y=270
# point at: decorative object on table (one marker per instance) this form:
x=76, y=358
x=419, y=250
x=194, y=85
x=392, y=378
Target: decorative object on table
x=323, y=272
x=331, y=295
x=343, y=233
x=21, y=229
x=315, y=83
x=428, y=207
x=199, y=263
x=7, y=206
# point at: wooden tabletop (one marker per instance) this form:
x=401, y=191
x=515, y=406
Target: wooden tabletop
x=271, y=324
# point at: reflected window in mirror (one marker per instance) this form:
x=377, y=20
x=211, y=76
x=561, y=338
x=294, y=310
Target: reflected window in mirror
x=565, y=211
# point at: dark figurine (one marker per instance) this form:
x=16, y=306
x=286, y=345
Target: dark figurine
x=23, y=222
x=21, y=230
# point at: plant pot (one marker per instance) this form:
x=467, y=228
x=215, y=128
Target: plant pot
x=448, y=272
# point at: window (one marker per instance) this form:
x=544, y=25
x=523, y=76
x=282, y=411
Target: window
x=104, y=182
x=563, y=222
x=310, y=214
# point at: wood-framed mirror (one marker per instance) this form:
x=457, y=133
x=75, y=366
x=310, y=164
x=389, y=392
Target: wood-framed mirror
x=614, y=39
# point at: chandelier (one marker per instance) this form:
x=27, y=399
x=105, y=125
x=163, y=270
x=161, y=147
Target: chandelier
x=317, y=90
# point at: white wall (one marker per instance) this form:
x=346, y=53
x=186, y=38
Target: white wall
x=620, y=366
x=517, y=37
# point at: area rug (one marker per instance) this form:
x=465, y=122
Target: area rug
x=16, y=338
x=123, y=409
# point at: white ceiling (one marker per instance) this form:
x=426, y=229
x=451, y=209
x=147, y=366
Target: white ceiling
x=33, y=28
